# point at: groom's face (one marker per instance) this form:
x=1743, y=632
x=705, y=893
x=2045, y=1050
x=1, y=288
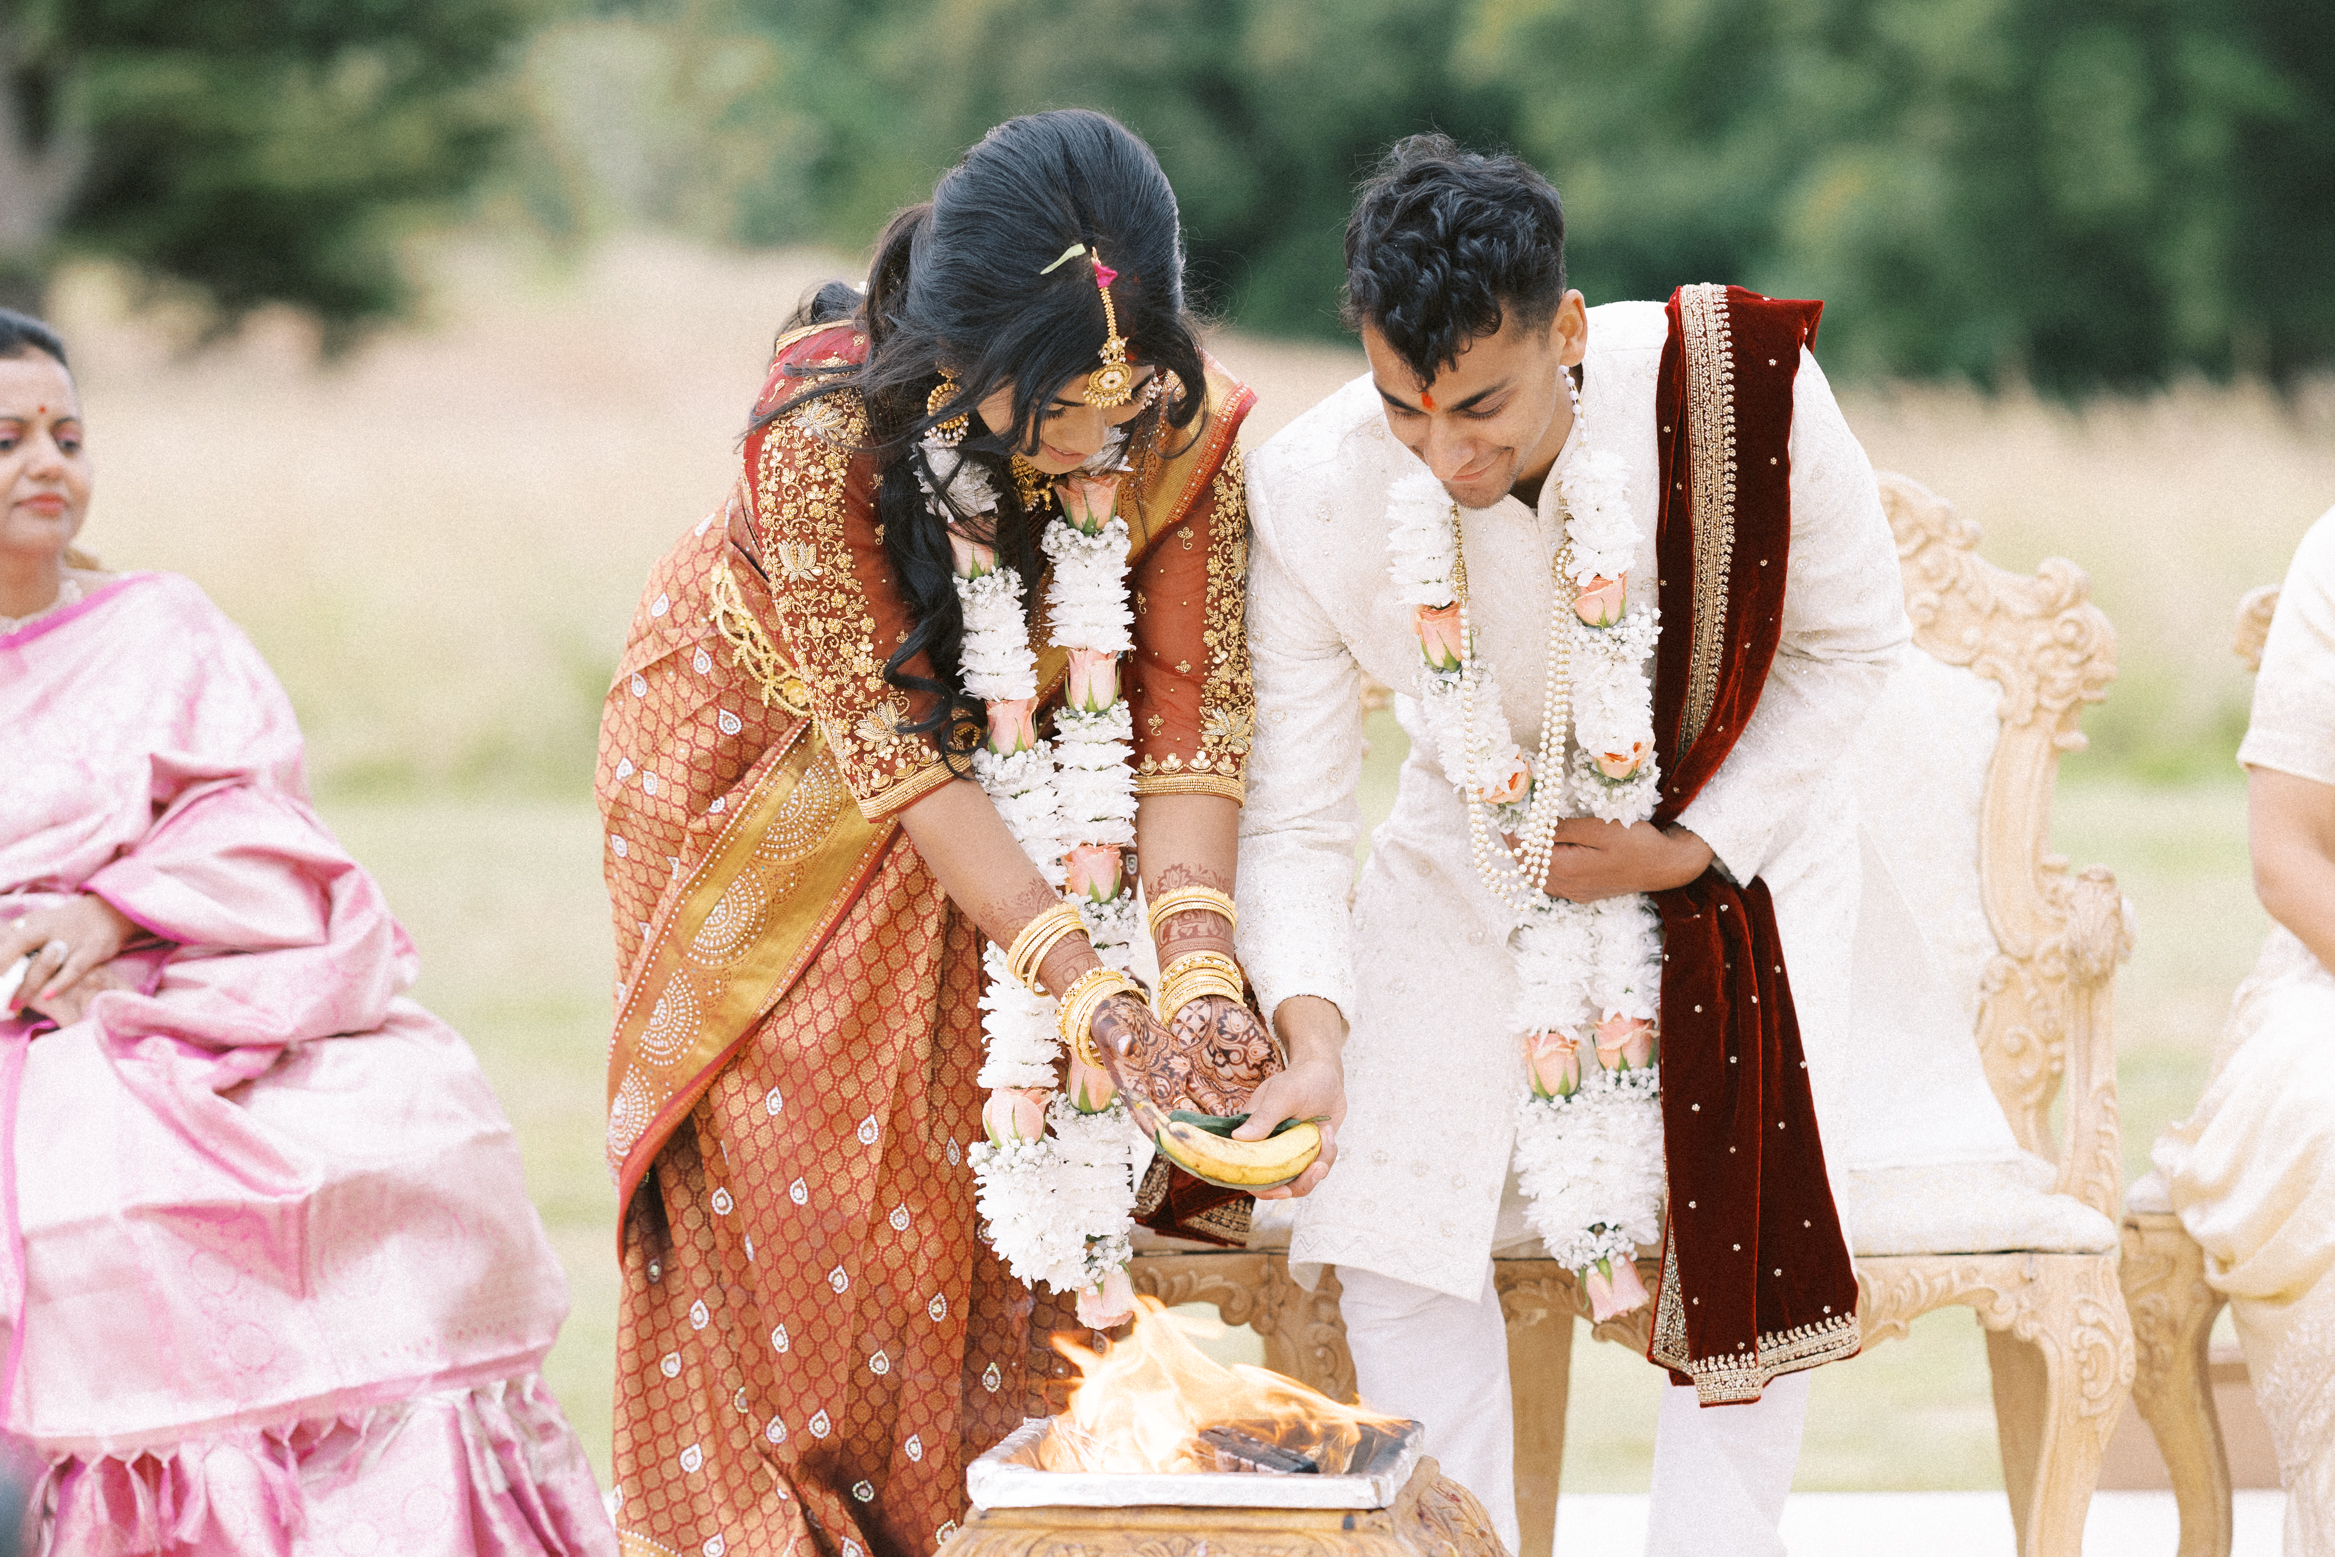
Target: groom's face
x=1496, y=417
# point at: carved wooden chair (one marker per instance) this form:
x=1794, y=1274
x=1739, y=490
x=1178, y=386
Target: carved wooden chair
x=2172, y=1309
x=2012, y=1222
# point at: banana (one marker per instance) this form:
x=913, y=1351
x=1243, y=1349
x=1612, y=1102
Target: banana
x=1231, y=1164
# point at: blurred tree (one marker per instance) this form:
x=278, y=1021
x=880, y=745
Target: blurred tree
x=249, y=151
x=2077, y=192
x=1263, y=112
x=677, y=114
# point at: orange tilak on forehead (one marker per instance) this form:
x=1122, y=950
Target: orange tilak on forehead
x=1427, y=399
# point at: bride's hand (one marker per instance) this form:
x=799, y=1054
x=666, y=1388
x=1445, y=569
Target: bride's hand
x=1138, y=1053
x=67, y=943
x=1227, y=1052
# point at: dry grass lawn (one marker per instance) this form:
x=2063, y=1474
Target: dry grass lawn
x=438, y=542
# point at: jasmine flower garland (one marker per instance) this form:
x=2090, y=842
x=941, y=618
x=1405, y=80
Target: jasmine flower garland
x=1056, y=1180
x=1589, y=1123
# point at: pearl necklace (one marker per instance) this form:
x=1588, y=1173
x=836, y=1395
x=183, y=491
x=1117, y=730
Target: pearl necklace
x=1511, y=875
x=1515, y=875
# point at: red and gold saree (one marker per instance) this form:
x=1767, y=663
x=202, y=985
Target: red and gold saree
x=813, y=1337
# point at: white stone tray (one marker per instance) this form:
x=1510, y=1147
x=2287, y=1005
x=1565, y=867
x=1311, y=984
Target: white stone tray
x=1003, y=1478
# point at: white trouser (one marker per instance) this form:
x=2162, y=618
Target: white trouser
x=1443, y=1362
x=1720, y=1474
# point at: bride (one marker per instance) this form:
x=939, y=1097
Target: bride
x=888, y=722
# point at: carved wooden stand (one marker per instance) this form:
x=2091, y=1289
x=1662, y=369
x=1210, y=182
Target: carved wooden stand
x=1431, y=1517
x=2172, y=1321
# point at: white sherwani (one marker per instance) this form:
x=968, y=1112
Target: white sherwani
x=1419, y=962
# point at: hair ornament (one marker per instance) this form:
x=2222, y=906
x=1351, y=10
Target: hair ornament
x=1112, y=384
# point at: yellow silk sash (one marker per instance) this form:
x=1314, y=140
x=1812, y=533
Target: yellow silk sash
x=731, y=936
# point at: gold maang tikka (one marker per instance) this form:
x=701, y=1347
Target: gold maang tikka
x=1113, y=383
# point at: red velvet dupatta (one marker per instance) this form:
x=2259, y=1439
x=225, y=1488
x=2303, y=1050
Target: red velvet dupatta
x=1756, y=1279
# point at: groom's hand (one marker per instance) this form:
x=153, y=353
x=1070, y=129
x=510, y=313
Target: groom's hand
x=1594, y=860
x=1313, y=1087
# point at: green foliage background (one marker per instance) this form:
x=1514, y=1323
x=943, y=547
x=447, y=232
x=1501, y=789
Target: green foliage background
x=247, y=151
x=2074, y=193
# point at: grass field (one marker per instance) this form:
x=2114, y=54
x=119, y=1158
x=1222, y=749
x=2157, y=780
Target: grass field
x=438, y=540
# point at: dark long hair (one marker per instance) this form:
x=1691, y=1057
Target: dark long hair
x=962, y=280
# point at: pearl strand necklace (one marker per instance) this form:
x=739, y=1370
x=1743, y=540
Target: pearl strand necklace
x=1516, y=877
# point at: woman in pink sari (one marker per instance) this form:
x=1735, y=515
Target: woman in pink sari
x=270, y=1280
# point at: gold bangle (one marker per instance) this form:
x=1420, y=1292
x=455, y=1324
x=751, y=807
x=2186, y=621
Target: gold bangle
x=1075, y=1014
x=1040, y=936
x=1188, y=900
x=1197, y=974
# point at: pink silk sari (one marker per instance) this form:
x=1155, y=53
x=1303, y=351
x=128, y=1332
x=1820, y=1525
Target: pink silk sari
x=270, y=1279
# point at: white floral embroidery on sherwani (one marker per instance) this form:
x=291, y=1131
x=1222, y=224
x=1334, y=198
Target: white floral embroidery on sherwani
x=2252, y=1171
x=1420, y=965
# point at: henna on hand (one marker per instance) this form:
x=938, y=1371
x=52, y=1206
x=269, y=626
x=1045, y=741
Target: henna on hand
x=1229, y=1053
x=1214, y=1055
x=1135, y=1049
x=1195, y=929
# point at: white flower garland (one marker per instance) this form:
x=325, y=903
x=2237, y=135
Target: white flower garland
x=1589, y=1126
x=1058, y=1199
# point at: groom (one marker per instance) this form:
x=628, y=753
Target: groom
x=1758, y=532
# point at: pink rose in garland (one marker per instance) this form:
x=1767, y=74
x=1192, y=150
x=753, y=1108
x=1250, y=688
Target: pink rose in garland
x=1090, y=1090
x=1013, y=725
x=1625, y=1043
x=971, y=558
x=1109, y=1305
x=1014, y=1114
x=1602, y=600
x=1514, y=786
x=1619, y=765
x=1614, y=1288
x=1087, y=501
x=1092, y=871
x=1094, y=680
x=1555, y=1060
x=1438, y=630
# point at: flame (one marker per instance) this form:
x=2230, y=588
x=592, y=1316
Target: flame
x=1142, y=1406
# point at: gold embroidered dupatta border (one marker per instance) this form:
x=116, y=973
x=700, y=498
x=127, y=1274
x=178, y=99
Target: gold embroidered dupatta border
x=1739, y=1064
x=1710, y=431
x=730, y=938
x=737, y=928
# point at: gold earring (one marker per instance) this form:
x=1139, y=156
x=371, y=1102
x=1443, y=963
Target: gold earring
x=1031, y=484
x=951, y=432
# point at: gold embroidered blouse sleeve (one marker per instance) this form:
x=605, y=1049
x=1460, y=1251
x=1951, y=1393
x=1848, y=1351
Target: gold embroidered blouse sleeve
x=1189, y=690
x=835, y=602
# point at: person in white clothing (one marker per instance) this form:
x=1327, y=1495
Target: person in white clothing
x=2252, y=1171
x=1654, y=522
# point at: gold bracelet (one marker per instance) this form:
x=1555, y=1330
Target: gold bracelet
x=1188, y=900
x=1075, y=1014
x=1040, y=936
x=1197, y=974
